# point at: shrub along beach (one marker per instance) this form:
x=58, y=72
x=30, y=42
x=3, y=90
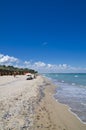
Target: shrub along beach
x=29, y=105
x=11, y=70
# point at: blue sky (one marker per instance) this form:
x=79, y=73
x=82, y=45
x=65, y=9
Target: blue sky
x=45, y=32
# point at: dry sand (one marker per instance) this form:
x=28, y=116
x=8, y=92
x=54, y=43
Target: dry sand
x=29, y=105
x=17, y=101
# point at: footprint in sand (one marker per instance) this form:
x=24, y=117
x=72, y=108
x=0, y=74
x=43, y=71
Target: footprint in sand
x=38, y=117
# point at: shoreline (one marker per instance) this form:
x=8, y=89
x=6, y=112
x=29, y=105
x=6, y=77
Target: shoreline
x=54, y=115
x=30, y=105
x=69, y=108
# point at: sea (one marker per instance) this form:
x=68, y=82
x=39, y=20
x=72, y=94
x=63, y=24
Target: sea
x=71, y=91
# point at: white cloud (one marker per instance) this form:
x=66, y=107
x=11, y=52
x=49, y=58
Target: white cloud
x=43, y=67
x=8, y=60
x=49, y=65
x=63, y=66
x=27, y=62
x=53, y=68
x=39, y=66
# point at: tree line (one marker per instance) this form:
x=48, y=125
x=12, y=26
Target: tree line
x=11, y=70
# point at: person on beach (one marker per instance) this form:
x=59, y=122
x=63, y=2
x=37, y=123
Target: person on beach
x=14, y=74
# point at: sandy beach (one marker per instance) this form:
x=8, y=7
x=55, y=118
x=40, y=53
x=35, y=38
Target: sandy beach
x=17, y=101
x=29, y=105
x=52, y=115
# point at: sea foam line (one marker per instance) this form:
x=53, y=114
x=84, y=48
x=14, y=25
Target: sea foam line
x=70, y=110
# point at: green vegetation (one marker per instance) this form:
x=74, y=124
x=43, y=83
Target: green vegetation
x=10, y=70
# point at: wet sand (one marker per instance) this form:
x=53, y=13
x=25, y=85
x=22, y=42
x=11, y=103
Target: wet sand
x=52, y=115
x=29, y=105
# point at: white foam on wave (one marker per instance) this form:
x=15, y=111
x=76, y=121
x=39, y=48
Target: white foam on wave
x=70, y=110
x=62, y=81
x=76, y=76
x=73, y=84
x=83, y=104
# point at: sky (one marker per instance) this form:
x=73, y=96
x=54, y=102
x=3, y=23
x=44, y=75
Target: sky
x=46, y=35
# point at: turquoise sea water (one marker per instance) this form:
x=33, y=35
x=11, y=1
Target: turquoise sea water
x=71, y=91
